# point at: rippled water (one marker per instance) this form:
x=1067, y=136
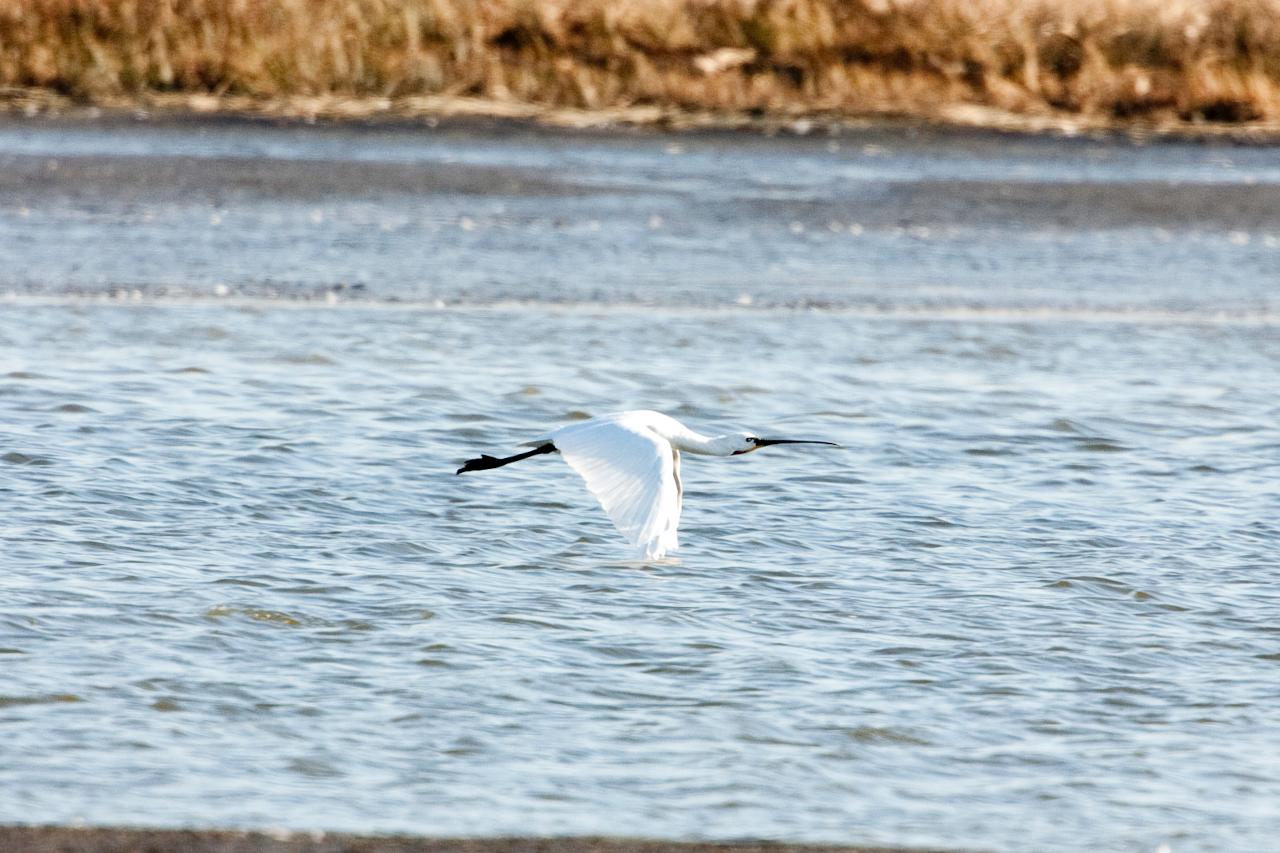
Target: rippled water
x=1031, y=604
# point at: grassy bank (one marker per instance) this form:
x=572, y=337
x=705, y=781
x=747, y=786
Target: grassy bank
x=1090, y=62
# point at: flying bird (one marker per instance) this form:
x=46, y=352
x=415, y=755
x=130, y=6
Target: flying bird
x=631, y=463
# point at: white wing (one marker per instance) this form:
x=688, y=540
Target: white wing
x=633, y=472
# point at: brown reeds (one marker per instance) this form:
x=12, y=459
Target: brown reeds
x=1105, y=61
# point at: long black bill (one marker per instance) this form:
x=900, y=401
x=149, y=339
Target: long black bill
x=765, y=442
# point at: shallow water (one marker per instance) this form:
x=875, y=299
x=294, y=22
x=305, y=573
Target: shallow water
x=1030, y=604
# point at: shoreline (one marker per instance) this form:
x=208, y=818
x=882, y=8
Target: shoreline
x=64, y=839
x=447, y=111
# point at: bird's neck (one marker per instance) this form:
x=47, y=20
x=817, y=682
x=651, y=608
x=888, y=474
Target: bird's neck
x=705, y=445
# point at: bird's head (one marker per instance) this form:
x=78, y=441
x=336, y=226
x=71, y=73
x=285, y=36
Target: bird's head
x=738, y=443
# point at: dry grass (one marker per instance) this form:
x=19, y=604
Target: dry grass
x=1099, y=61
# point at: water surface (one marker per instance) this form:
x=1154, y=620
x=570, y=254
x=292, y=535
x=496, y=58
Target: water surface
x=1030, y=604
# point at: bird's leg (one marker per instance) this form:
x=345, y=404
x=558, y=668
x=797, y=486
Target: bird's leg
x=485, y=462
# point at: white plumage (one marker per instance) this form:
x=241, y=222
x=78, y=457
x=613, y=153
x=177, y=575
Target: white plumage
x=633, y=470
x=631, y=463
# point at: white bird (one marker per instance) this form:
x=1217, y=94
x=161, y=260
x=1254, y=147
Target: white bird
x=631, y=463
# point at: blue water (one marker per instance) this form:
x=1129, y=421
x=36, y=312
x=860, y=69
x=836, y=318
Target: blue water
x=1030, y=604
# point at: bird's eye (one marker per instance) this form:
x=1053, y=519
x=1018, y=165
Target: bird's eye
x=752, y=439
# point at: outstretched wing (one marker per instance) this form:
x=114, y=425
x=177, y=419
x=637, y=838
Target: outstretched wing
x=633, y=473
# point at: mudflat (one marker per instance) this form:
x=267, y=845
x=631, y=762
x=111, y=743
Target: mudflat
x=60, y=839
x=918, y=173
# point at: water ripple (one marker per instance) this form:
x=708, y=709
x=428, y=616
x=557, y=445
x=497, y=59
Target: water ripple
x=1030, y=603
